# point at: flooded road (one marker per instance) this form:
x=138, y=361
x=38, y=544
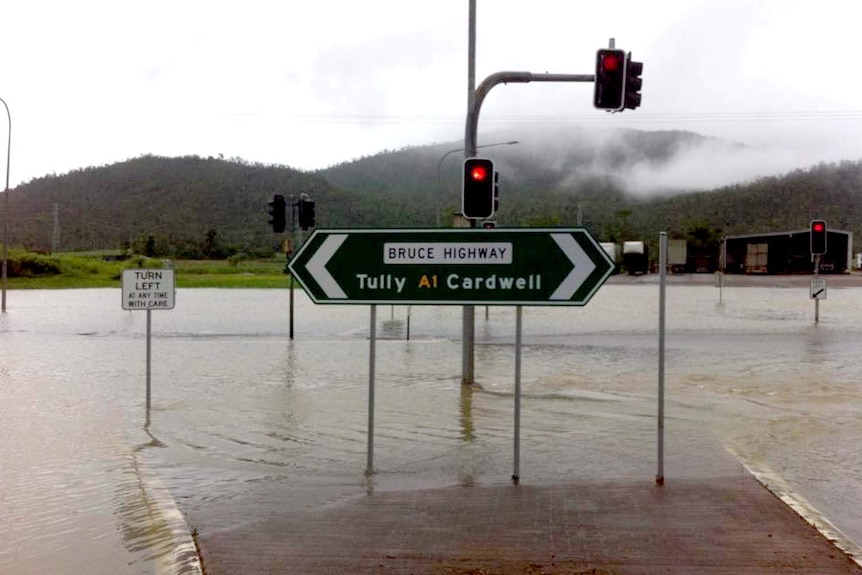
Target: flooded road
x=237, y=407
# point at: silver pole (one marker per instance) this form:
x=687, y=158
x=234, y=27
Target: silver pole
x=516, y=474
x=372, y=338
x=295, y=235
x=471, y=61
x=722, y=265
x=289, y=255
x=817, y=300
x=6, y=208
x=468, y=317
x=149, y=356
x=290, y=307
x=659, y=478
x=468, y=334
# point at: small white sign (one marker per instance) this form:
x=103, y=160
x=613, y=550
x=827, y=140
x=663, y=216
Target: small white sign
x=148, y=289
x=447, y=253
x=818, y=288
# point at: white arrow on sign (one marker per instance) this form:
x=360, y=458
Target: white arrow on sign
x=317, y=266
x=584, y=266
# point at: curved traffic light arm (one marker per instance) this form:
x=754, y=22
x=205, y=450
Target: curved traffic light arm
x=507, y=78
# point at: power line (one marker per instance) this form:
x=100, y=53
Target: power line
x=640, y=117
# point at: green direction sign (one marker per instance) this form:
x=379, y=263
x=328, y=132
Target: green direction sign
x=517, y=266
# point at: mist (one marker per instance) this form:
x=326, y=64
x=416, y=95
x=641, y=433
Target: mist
x=709, y=165
x=650, y=163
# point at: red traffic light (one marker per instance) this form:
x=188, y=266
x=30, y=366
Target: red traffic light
x=818, y=237
x=610, y=62
x=478, y=173
x=610, y=79
x=477, y=192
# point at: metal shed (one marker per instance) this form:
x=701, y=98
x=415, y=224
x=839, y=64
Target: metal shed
x=787, y=253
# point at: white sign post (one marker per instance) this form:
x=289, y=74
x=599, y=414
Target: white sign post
x=148, y=289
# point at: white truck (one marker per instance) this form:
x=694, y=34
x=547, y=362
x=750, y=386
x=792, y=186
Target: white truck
x=635, y=258
x=615, y=252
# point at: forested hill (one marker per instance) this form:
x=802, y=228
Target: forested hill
x=186, y=204
x=770, y=204
x=211, y=207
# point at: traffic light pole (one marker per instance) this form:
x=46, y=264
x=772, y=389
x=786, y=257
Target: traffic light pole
x=507, y=78
x=296, y=234
x=816, y=300
x=468, y=317
x=474, y=105
x=818, y=240
x=290, y=280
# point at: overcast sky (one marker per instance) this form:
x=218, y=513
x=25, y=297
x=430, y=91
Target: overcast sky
x=313, y=83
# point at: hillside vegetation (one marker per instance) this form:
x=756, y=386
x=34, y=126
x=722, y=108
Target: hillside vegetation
x=194, y=207
x=186, y=207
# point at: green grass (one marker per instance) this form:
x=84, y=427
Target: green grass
x=67, y=271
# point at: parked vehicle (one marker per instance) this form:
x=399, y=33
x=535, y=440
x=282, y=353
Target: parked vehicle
x=635, y=258
x=614, y=252
x=677, y=254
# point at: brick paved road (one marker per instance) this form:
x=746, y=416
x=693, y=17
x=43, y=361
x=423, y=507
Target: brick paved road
x=731, y=525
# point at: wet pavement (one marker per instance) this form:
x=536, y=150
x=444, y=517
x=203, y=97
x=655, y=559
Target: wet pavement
x=714, y=517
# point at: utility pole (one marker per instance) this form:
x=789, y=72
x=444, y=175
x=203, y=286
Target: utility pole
x=475, y=99
x=469, y=312
x=622, y=81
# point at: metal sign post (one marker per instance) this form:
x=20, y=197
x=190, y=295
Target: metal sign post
x=372, y=359
x=659, y=477
x=817, y=290
x=149, y=358
x=516, y=474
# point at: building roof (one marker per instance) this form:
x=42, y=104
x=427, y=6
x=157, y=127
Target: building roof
x=787, y=233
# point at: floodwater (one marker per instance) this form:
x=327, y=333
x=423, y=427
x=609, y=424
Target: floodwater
x=92, y=483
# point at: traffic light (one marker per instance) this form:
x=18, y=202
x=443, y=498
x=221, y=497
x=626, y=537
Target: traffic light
x=489, y=225
x=277, y=214
x=633, y=82
x=306, y=212
x=477, y=193
x=818, y=237
x=610, y=89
